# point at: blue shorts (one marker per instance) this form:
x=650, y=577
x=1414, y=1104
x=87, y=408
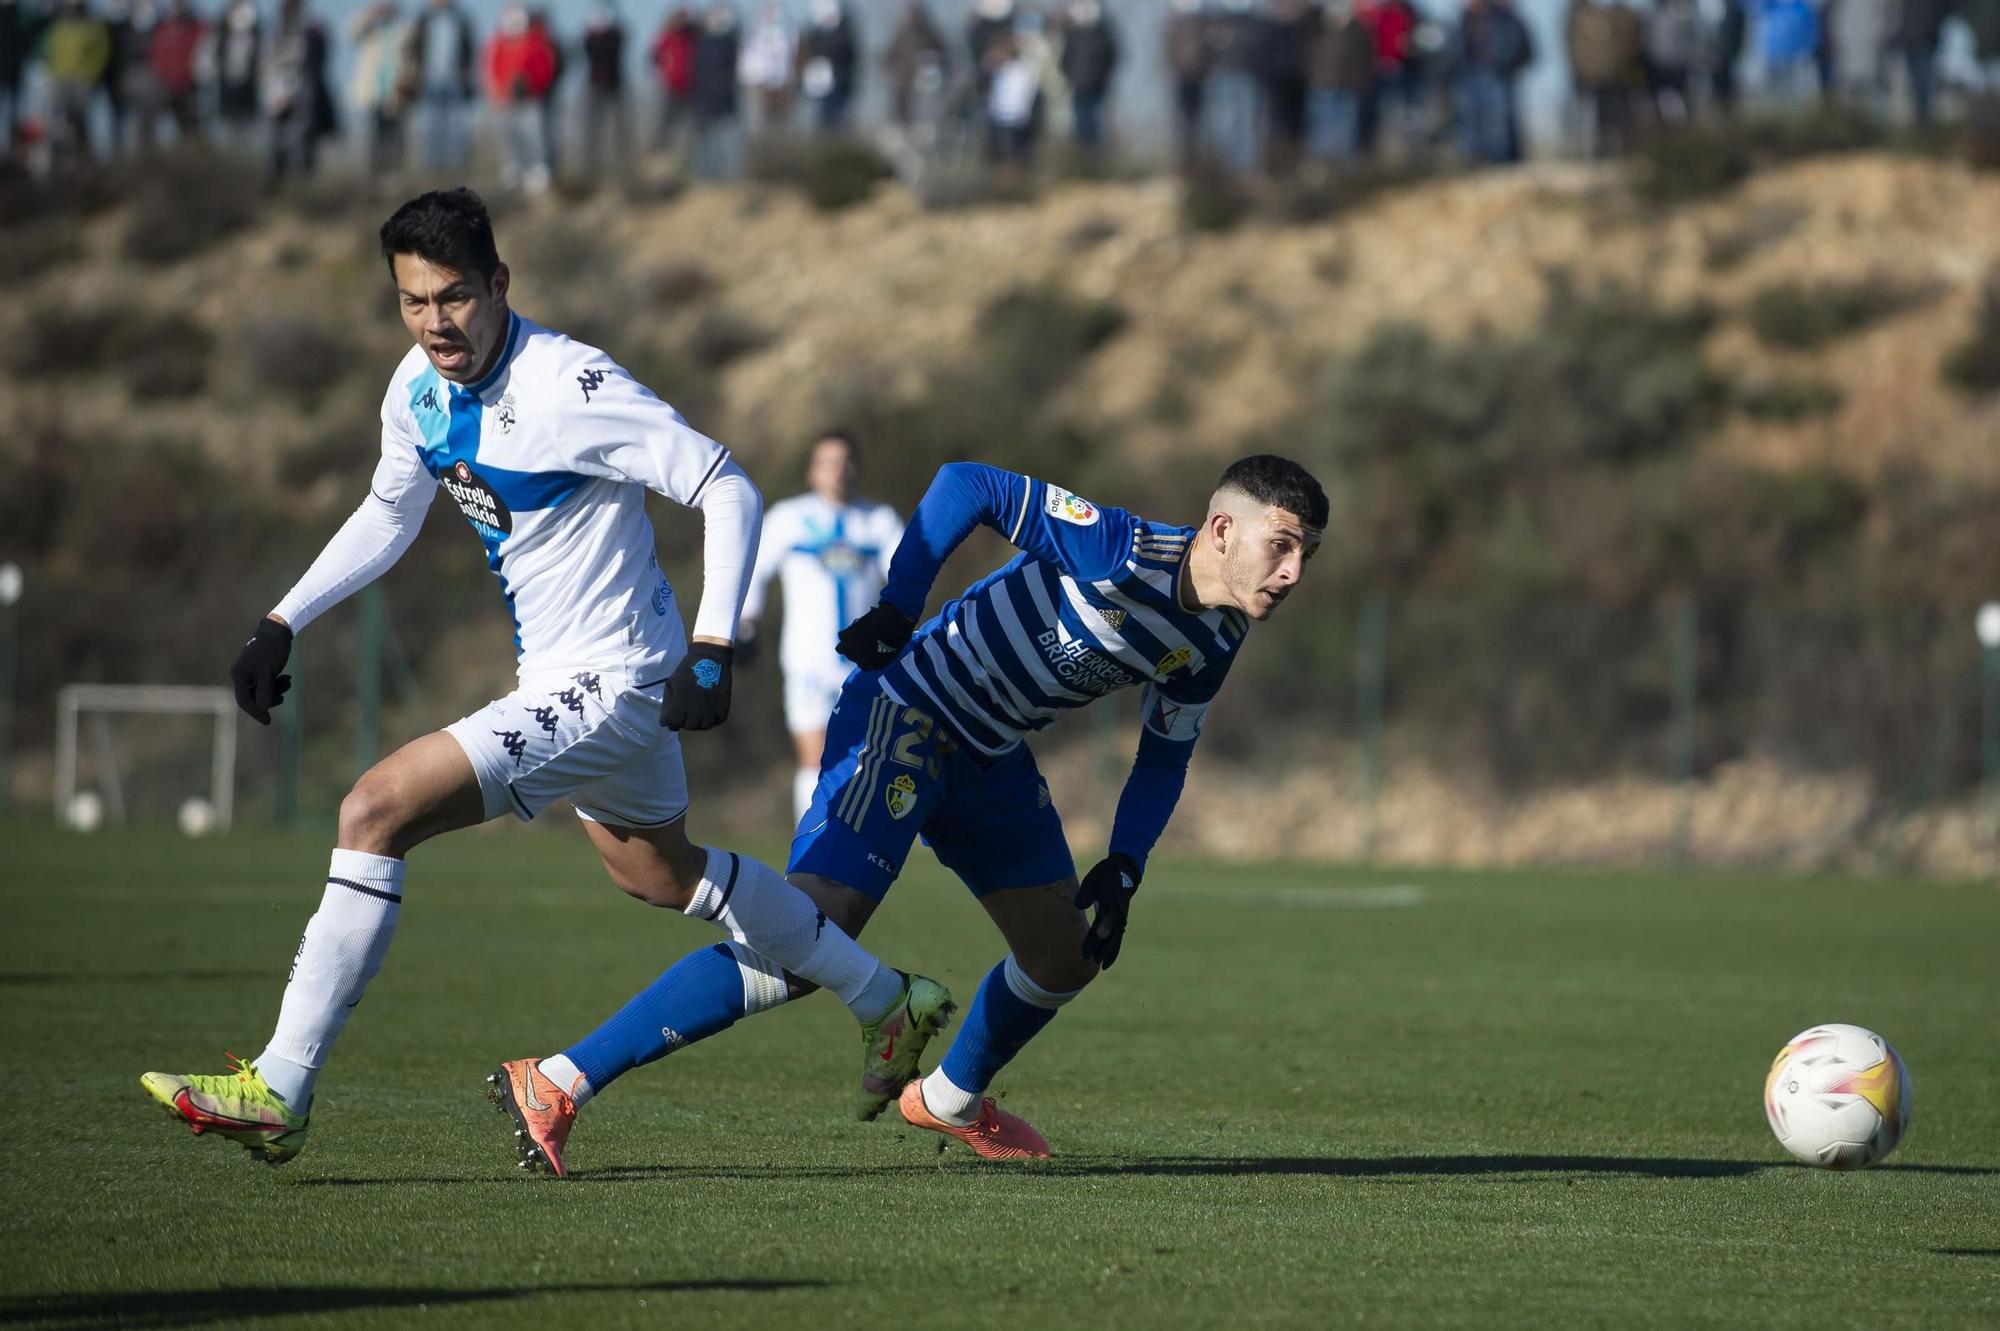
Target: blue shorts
x=890, y=772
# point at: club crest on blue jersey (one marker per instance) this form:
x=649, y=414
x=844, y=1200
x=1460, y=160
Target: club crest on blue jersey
x=901, y=797
x=505, y=414
x=1172, y=661
x=707, y=673
x=482, y=506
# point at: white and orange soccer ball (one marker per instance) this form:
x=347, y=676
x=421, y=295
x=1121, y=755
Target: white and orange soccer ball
x=1838, y=1096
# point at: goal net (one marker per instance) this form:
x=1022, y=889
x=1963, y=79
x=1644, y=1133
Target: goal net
x=145, y=751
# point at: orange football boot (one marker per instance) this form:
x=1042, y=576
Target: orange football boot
x=542, y=1112
x=995, y=1134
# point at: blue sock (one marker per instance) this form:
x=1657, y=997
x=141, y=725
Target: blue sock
x=698, y=996
x=1000, y=1023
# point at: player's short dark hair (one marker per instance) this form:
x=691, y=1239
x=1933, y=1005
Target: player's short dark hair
x=1280, y=483
x=838, y=435
x=447, y=227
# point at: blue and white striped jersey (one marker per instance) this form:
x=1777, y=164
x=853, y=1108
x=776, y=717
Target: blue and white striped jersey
x=1090, y=606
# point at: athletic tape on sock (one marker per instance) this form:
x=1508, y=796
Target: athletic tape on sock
x=1025, y=989
x=763, y=982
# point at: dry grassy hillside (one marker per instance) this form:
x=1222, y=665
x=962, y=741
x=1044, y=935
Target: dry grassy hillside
x=764, y=317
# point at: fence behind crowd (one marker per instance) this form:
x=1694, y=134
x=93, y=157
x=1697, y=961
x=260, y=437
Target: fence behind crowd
x=1377, y=730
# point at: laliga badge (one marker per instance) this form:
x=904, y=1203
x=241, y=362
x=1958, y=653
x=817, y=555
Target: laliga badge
x=902, y=796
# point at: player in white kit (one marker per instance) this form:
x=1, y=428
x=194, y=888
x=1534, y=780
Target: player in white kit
x=830, y=551
x=548, y=447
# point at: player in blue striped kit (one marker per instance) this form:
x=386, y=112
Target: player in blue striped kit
x=928, y=738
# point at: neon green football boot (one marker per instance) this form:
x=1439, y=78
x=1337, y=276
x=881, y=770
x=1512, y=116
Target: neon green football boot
x=891, y=1044
x=237, y=1105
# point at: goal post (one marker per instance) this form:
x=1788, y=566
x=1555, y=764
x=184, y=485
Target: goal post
x=86, y=707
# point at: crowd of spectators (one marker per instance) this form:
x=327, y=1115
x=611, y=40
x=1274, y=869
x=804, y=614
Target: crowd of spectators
x=1254, y=85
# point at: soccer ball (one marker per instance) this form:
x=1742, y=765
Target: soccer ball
x=197, y=817
x=85, y=812
x=1838, y=1096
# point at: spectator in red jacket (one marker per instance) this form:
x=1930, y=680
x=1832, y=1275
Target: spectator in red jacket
x=673, y=62
x=1398, y=76
x=172, y=48
x=520, y=66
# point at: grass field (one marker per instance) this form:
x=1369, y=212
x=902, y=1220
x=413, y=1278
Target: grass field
x=1305, y=1097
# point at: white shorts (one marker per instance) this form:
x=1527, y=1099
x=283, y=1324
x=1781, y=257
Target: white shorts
x=810, y=696
x=588, y=736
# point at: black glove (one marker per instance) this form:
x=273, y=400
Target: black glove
x=697, y=693
x=873, y=640
x=747, y=650
x=259, y=686
x=1109, y=886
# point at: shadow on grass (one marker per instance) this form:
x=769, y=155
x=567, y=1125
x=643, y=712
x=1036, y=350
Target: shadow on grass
x=1521, y=1167
x=1967, y=1252
x=1389, y=1166
x=193, y=1307
x=31, y=978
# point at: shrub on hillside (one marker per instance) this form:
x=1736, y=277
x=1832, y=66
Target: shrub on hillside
x=833, y=172
x=186, y=200
x=1787, y=399
x=680, y=283
x=1804, y=318
x=295, y=355
x=59, y=340
x=723, y=336
x=171, y=362
x=1213, y=198
x=1982, y=132
x=1036, y=337
x=1974, y=364
x=34, y=249
x=157, y=355
x=1703, y=159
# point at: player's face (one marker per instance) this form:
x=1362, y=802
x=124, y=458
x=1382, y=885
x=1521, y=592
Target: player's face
x=1265, y=557
x=830, y=470
x=458, y=318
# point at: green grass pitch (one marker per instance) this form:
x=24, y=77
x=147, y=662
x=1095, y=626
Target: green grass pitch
x=1305, y=1097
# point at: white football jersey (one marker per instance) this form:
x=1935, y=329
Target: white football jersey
x=550, y=457
x=832, y=559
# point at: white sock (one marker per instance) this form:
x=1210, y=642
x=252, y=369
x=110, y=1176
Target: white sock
x=950, y=1101
x=804, y=782
x=758, y=908
x=343, y=947
x=568, y=1078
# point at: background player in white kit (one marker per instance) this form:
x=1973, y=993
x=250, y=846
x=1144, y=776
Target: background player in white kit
x=548, y=446
x=830, y=551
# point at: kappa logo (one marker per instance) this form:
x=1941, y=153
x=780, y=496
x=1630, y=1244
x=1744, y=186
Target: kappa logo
x=429, y=401
x=590, y=381
x=589, y=684
x=571, y=699
x=1066, y=507
x=514, y=742
x=545, y=717
x=1172, y=661
x=901, y=797
x=1113, y=619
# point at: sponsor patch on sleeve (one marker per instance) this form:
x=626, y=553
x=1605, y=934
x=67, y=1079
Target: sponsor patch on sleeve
x=1066, y=507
